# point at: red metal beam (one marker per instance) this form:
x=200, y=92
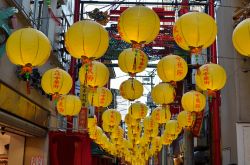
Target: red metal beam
x=215, y=107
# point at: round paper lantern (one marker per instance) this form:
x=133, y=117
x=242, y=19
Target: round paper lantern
x=171, y=127
x=28, y=47
x=86, y=39
x=138, y=25
x=186, y=119
x=193, y=101
x=149, y=123
x=106, y=127
x=94, y=74
x=138, y=110
x=163, y=93
x=111, y=117
x=92, y=122
x=56, y=81
x=101, y=97
x=69, y=105
x=132, y=61
x=241, y=37
x=131, y=89
x=161, y=114
x=194, y=31
x=157, y=143
x=210, y=77
x=131, y=122
x=172, y=68
x=166, y=139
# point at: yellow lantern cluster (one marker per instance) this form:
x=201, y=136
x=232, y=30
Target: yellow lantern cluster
x=131, y=89
x=172, y=68
x=132, y=61
x=241, y=37
x=138, y=110
x=138, y=25
x=69, y=105
x=161, y=114
x=86, y=39
x=101, y=97
x=210, y=77
x=94, y=74
x=56, y=82
x=163, y=94
x=194, y=31
x=193, y=101
x=28, y=47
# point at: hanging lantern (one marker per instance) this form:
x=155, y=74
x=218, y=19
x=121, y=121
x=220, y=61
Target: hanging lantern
x=210, y=77
x=92, y=123
x=86, y=39
x=241, y=37
x=172, y=68
x=193, y=101
x=56, y=82
x=111, y=117
x=163, y=94
x=106, y=127
x=171, y=127
x=131, y=89
x=94, y=74
x=138, y=25
x=101, y=97
x=69, y=105
x=28, y=47
x=149, y=123
x=195, y=31
x=166, y=139
x=132, y=61
x=186, y=119
x=138, y=110
x=157, y=143
x=161, y=114
x=131, y=122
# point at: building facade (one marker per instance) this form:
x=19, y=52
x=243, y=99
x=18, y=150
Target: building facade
x=26, y=118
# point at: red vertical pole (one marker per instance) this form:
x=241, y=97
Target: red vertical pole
x=215, y=111
x=72, y=66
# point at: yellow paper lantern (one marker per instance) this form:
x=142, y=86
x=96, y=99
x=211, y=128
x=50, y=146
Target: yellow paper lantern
x=186, y=119
x=138, y=110
x=106, y=127
x=131, y=122
x=157, y=143
x=94, y=74
x=163, y=93
x=161, y=114
x=131, y=89
x=194, y=31
x=210, y=77
x=86, y=39
x=166, y=139
x=139, y=25
x=172, y=68
x=101, y=97
x=132, y=61
x=28, y=47
x=171, y=127
x=92, y=123
x=149, y=123
x=56, y=81
x=69, y=105
x=111, y=117
x=241, y=37
x=193, y=101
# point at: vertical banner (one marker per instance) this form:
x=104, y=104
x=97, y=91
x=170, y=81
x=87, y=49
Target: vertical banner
x=198, y=123
x=83, y=115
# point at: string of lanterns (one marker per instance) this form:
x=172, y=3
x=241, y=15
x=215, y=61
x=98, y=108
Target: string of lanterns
x=139, y=25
